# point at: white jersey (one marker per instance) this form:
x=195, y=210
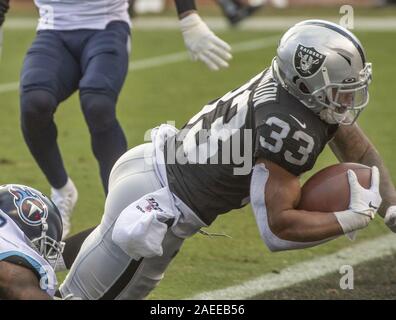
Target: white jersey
x=14, y=246
x=80, y=14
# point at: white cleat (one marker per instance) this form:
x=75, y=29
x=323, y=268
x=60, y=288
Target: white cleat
x=65, y=199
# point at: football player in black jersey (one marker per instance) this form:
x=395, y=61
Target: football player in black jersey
x=250, y=145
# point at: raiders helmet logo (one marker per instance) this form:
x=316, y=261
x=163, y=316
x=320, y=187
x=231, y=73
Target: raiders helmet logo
x=307, y=61
x=31, y=209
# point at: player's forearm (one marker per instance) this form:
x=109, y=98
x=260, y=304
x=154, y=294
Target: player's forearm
x=10, y=290
x=352, y=145
x=28, y=293
x=19, y=283
x=305, y=226
x=185, y=7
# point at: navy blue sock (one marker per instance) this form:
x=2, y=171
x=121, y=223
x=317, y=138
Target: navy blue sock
x=40, y=133
x=107, y=138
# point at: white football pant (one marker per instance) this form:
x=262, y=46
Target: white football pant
x=102, y=270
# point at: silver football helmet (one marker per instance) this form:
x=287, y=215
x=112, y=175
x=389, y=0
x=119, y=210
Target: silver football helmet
x=324, y=66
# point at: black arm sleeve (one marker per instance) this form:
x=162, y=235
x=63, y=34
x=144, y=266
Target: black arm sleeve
x=184, y=6
x=4, y=6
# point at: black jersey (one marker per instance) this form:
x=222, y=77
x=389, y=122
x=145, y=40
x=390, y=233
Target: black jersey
x=209, y=162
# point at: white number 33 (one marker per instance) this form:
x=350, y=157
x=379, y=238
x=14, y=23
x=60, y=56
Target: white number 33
x=302, y=154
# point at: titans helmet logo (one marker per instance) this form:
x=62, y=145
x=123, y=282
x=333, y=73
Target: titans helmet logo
x=31, y=209
x=307, y=61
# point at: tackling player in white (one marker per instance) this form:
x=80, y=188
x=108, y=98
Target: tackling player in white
x=30, y=244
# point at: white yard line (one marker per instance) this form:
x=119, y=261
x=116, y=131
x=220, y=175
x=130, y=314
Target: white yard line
x=7, y=87
x=305, y=271
x=173, y=58
x=216, y=23
x=158, y=61
x=244, y=46
x=266, y=23
x=220, y=23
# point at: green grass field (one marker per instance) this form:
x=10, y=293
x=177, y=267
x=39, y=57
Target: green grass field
x=175, y=92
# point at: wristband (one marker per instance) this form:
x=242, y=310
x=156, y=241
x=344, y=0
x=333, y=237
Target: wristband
x=184, y=6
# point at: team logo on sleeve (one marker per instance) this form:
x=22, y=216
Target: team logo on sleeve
x=31, y=209
x=307, y=61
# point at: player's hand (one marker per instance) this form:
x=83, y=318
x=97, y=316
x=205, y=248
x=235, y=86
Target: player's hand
x=203, y=44
x=390, y=218
x=365, y=201
x=363, y=204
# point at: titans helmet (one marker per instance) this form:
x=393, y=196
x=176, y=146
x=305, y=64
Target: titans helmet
x=324, y=66
x=37, y=216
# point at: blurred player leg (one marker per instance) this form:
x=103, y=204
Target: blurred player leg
x=65, y=199
x=104, y=64
x=102, y=270
x=49, y=75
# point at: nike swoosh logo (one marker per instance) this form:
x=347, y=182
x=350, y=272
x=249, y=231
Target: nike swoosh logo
x=368, y=213
x=371, y=206
x=302, y=124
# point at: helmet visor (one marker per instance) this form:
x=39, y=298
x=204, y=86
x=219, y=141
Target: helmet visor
x=346, y=100
x=49, y=249
x=348, y=103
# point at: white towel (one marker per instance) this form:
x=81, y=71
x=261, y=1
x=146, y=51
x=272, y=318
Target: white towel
x=141, y=227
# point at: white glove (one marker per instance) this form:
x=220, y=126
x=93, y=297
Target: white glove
x=363, y=204
x=390, y=218
x=203, y=44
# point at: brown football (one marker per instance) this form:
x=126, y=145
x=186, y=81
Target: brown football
x=328, y=190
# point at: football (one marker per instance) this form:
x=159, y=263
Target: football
x=328, y=190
